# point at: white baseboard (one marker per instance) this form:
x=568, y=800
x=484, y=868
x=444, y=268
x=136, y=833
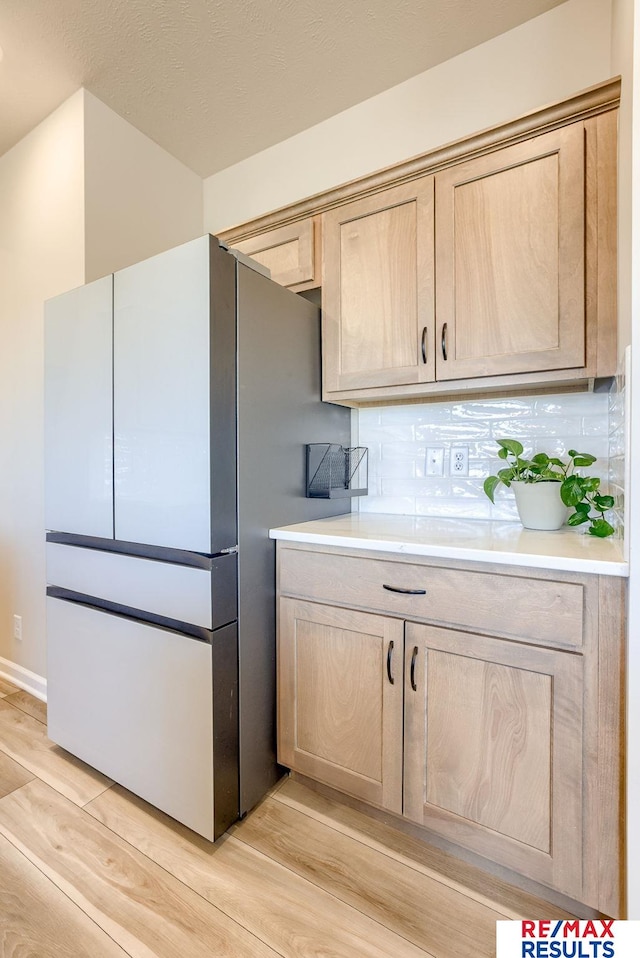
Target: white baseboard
x=24, y=679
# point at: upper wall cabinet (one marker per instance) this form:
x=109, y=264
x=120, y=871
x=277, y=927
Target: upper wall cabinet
x=378, y=320
x=510, y=259
x=520, y=291
x=290, y=253
x=484, y=265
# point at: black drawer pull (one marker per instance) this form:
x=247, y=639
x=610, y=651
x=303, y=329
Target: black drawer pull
x=389, y=654
x=413, y=668
x=396, y=588
x=423, y=345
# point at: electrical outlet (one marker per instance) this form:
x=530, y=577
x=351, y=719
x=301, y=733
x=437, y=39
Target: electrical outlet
x=459, y=461
x=17, y=627
x=435, y=461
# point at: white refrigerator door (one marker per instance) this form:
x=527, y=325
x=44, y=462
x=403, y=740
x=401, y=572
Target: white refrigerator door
x=161, y=399
x=78, y=411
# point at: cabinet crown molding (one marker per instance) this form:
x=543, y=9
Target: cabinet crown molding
x=587, y=103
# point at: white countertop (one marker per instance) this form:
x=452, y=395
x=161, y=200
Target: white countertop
x=475, y=540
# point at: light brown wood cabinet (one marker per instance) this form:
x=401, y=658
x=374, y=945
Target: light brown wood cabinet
x=507, y=279
x=493, y=750
x=377, y=290
x=339, y=723
x=510, y=244
x=291, y=253
x=496, y=729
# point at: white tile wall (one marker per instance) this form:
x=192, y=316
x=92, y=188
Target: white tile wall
x=398, y=436
x=618, y=418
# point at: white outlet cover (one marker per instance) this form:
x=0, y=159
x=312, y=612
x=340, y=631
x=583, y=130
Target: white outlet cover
x=434, y=465
x=459, y=461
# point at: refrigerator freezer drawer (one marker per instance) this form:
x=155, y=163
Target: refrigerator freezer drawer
x=173, y=591
x=137, y=703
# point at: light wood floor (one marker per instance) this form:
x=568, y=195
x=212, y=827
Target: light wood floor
x=87, y=869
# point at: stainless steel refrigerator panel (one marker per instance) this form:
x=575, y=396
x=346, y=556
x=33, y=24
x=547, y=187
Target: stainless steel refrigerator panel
x=161, y=399
x=78, y=410
x=174, y=591
x=279, y=411
x=135, y=702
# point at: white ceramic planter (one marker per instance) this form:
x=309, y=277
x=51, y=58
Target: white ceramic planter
x=539, y=505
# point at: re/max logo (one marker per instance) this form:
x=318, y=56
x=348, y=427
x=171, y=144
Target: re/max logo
x=567, y=939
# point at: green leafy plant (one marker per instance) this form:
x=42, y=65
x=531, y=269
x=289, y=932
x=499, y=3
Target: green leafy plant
x=580, y=493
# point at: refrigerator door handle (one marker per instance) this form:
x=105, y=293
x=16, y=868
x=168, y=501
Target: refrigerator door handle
x=186, y=629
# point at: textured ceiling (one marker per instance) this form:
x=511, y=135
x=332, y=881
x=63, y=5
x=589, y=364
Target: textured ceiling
x=214, y=81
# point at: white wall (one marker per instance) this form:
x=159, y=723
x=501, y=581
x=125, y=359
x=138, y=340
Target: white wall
x=139, y=200
x=548, y=58
x=626, y=60
x=41, y=254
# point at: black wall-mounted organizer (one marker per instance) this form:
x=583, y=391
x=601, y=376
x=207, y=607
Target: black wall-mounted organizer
x=336, y=472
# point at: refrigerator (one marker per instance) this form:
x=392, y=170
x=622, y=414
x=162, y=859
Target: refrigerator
x=180, y=394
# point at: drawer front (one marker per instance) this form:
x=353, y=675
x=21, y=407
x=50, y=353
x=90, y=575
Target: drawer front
x=533, y=610
x=134, y=702
x=177, y=592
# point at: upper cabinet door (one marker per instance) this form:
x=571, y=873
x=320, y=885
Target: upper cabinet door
x=161, y=399
x=510, y=259
x=290, y=253
x=377, y=295
x=78, y=411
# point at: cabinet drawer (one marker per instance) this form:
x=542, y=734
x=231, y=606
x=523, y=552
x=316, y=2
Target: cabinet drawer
x=173, y=591
x=134, y=701
x=533, y=610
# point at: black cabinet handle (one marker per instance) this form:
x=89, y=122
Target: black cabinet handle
x=413, y=668
x=396, y=588
x=424, y=344
x=389, y=654
x=444, y=341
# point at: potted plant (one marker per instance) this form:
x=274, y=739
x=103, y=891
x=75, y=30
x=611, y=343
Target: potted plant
x=547, y=487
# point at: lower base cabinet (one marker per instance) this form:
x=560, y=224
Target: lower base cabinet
x=504, y=746
x=340, y=699
x=493, y=750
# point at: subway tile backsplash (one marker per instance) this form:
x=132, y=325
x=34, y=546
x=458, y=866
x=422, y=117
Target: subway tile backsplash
x=618, y=424
x=398, y=437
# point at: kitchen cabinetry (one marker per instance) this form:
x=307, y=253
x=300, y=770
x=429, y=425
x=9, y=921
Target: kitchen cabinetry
x=409, y=685
x=338, y=722
x=510, y=242
x=291, y=253
x=493, y=749
x=506, y=281
x=504, y=300
x=378, y=306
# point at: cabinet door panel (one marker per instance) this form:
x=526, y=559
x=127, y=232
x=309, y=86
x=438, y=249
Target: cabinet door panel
x=493, y=750
x=78, y=411
x=289, y=253
x=378, y=289
x=340, y=718
x=510, y=259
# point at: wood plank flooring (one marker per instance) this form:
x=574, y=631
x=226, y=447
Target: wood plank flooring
x=87, y=869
